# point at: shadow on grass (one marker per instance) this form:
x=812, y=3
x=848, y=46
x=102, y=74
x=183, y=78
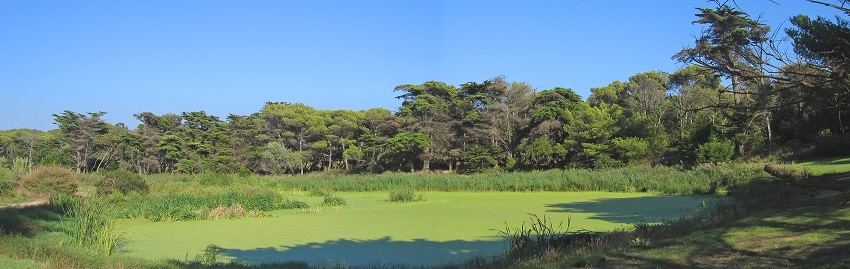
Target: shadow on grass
x=383, y=251
x=635, y=209
x=25, y=221
x=801, y=237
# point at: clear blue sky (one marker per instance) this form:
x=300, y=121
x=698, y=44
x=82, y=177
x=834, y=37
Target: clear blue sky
x=126, y=57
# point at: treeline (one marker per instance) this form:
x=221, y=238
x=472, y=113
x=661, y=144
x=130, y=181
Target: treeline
x=687, y=117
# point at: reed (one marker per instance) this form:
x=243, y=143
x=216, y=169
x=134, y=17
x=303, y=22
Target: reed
x=92, y=222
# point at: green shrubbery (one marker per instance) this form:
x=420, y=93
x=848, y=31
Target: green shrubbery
x=51, y=180
x=8, y=183
x=715, y=151
x=122, y=181
x=404, y=195
x=331, y=200
x=293, y=204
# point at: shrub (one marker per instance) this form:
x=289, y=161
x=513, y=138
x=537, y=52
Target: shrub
x=122, y=181
x=293, y=204
x=715, y=151
x=7, y=182
x=331, y=200
x=404, y=195
x=51, y=180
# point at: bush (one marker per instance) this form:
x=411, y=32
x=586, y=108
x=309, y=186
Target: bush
x=715, y=151
x=334, y=201
x=7, y=182
x=404, y=195
x=51, y=180
x=122, y=181
x=293, y=204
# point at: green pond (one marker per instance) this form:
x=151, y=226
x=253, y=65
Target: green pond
x=447, y=227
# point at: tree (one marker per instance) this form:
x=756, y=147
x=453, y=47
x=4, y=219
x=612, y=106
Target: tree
x=646, y=94
x=826, y=45
x=81, y=131
x=379, y=126
x=729, y=45
x=248, y=136
x=551, y=111
x=153, y=129
x=300, y=125
x=507, y=114
x=590, y=131
x=737, y=47
x=281, y=159
x=407, y=146
x=428, y=108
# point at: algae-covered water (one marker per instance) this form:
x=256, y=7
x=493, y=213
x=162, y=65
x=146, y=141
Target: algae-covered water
x=447, y=227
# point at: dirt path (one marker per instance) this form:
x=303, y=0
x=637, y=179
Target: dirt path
x=27, y=204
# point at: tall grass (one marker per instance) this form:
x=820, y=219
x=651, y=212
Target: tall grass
x=664, y=180
x=540, y=236
x=200, y=205
x=92, y=223
x=540, y=241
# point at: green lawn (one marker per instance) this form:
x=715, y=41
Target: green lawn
x=827, y=166
x=448, y=226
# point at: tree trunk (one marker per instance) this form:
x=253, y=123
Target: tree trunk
x=769, y=133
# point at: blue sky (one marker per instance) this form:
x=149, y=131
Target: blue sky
x=223, y=57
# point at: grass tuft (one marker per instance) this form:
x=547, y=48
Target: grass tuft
x=404, y=195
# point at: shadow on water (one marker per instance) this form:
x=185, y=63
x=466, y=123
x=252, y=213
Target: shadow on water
x=634, y=209
x=377, y=251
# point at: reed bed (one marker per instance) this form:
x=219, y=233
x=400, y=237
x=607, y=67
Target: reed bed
x=201, y=205
x=663, y=180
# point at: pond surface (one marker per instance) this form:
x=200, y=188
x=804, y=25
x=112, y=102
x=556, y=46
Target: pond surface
x=448, y=227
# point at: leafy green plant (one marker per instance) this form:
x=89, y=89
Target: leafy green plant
x=51, y=180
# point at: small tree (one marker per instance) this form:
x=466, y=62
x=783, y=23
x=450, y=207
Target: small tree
x=280, y=158
x=715, y=151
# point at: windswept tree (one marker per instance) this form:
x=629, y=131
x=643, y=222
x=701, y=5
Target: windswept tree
x=153, y=130
x=736, y=47
x=428, y=109
x=81, y=130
